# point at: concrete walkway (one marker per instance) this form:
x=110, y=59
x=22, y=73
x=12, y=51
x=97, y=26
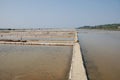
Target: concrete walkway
x=77, y=71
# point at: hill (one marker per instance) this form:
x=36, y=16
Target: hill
x=105, y=27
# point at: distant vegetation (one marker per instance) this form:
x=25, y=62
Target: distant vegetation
x=103, y=27
x=6, y=29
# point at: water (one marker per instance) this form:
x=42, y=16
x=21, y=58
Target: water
x=26, y=62
x=101, y=51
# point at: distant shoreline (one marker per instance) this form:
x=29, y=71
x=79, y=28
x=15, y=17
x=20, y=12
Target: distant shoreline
x=100, y=29
x=115, y=27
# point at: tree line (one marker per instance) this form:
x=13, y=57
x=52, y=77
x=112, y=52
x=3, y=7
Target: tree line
x=105, y=27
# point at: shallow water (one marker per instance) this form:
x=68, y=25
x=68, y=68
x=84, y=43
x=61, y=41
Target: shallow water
x=101, y=51
x=26, y=62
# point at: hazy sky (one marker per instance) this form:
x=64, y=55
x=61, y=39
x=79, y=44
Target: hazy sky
x=57, y=13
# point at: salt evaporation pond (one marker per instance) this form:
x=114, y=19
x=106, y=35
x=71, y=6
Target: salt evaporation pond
x=34, y=62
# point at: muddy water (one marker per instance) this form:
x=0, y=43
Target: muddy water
x=25, y=62
x=101, y=51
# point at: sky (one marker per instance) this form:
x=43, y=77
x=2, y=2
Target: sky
x=58, y=13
